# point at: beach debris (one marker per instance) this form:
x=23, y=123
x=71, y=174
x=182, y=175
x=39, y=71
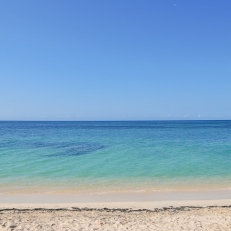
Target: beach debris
x=101, y=223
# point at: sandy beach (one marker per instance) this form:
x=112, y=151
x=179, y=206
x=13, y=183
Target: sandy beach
x=44, y=212
x=171, y=218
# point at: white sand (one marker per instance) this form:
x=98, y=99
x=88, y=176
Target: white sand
x=178, y=218
x=73, y=212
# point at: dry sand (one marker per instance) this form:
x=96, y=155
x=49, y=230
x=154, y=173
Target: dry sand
x=179, y=218
x=158, y=214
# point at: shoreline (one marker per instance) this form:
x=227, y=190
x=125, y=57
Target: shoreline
x=119, y=200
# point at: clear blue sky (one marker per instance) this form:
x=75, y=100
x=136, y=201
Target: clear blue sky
x=115, y=59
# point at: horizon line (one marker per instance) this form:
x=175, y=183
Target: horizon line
x=115, y=120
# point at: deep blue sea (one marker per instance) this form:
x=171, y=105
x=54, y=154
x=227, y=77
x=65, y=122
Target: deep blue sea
x=76, y=157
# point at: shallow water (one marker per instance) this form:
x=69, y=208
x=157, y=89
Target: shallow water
x=114, y=156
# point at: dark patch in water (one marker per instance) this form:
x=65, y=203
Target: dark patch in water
x=77, y=149
x=55, y=148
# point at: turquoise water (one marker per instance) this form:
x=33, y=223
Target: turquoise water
x=77, y=157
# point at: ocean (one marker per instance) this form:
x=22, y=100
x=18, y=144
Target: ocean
x=114, y=156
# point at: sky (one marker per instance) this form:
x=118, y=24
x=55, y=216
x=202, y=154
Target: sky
x=115, y=59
